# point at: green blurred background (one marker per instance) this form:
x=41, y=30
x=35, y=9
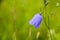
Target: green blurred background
x=15, y=15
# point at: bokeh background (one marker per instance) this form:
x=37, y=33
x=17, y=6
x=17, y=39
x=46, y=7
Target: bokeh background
x=15, y=15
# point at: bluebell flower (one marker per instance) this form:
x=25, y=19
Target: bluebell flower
x=36, y=20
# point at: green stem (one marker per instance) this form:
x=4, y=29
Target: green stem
x=47, y=25
x=50, y=35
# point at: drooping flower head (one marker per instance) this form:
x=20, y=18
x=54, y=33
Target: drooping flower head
x=36, y=20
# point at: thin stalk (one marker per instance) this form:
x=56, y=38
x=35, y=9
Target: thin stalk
x=47, y=25
x=49, y=28
x=14, y=13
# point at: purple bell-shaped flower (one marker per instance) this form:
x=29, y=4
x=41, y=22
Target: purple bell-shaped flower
x=36, y=20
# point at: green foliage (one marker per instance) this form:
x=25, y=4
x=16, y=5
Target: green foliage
x=15, y=15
